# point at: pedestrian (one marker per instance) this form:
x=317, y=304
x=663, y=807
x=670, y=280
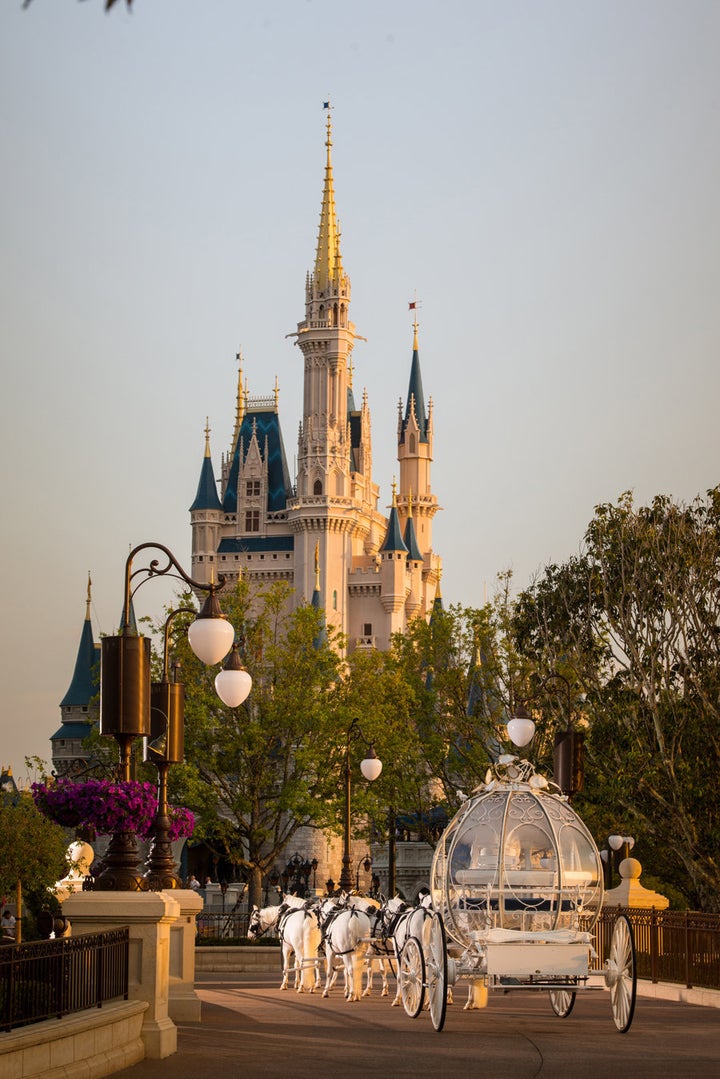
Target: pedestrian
x=7, y=924
x=194, y=883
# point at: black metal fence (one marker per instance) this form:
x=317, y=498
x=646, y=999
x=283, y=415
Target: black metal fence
x=231, y=926
x=681, y=946
x=48, y=979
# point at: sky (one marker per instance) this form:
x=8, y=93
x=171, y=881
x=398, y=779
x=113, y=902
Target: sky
x=542, y=177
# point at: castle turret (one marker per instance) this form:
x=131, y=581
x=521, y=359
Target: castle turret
x=415, y=452
x=78, y=708
x=205, y=518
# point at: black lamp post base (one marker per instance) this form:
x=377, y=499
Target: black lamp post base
x=120, y=872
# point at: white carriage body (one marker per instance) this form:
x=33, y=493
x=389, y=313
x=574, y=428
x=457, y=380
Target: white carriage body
x=516, y=857
x=516, y=888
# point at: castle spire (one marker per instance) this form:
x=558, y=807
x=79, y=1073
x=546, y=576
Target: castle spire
x=328, y=263
x=239, y=403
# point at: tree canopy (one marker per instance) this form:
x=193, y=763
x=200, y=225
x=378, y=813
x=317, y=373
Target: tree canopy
x=635, y=618
x=32, y=848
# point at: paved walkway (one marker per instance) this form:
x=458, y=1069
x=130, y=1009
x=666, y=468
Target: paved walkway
x=250, y=1029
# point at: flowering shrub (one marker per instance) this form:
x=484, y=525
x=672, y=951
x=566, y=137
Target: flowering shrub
x=182, y=823
x=108, y=807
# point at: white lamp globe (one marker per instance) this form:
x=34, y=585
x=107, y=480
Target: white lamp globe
x=371, y=767
x=211, y=638
x=233, y=687
x=233, y=683
x=521, y=730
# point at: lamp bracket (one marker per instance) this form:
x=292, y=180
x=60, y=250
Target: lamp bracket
x=170, y=567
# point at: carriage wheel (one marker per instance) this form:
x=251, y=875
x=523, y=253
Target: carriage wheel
x=437, y=972
x=411, y=972
x=621, y=975
x=562, y=1002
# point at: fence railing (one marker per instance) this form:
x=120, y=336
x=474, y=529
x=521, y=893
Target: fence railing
x=230, y=926
x=681, y=946
x=48, y=979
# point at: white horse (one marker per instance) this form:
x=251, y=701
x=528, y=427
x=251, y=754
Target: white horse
x=300, y=938
x=347, y=927
x=403, y=921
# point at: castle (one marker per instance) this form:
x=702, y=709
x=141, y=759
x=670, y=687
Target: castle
x=324, y=530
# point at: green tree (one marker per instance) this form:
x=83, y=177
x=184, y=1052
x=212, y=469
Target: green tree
x=257, y=773
x=465, y=676
x=32, y=849
x=635, y=618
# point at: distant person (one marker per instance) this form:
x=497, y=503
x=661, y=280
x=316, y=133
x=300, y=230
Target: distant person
x=194, y=883
x=207, y=881
x=7, y=923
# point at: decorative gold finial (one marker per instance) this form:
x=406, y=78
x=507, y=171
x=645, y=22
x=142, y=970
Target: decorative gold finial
x=394, y=493
x=413, y=306
x=317, y=566
x=207, y=436
x=88, y=601
x=277, y=393
x=328, y=262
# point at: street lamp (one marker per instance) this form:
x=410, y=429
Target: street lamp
x=366, y=863
x=618, y=849
x=165, y=746
x=568, y=749
x=371, y=767
x=126, y=697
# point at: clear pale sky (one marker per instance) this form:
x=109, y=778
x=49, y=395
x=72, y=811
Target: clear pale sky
x=542, y=176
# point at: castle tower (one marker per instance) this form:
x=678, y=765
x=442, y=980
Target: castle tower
x=205, y=517
x=415, y=454
x=336, y=501
x=78, y=708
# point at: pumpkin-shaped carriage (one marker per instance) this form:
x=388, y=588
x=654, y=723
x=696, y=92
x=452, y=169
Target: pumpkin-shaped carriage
x=516, y=886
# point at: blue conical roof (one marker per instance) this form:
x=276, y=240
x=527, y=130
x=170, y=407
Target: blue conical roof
x=414, y=553
x=84, y=684
x=207, y=496
x=393, y=537
x=415, y=398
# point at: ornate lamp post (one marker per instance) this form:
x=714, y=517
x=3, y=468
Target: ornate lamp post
x=568, y=750
x=371, y=767
x=125, y=706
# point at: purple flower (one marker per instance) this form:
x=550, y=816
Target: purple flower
x=102, y=804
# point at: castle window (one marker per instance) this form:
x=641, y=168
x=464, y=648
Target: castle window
x=252, y=489
x=317, y=487
x=252, y=520
x=411, y=447
x=335, y=599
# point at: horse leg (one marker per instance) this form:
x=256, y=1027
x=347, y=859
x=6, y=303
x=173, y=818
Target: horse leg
x=286, y=952
x=369, y=976
x=329, y=973
x=383, y=971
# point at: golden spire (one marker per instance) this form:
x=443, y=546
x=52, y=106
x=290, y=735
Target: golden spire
x=328, y=263
x=239, y=410
x=394, y=493
x=207, y=436
x=88, y=601
x=317, y=566
x=277, y=393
